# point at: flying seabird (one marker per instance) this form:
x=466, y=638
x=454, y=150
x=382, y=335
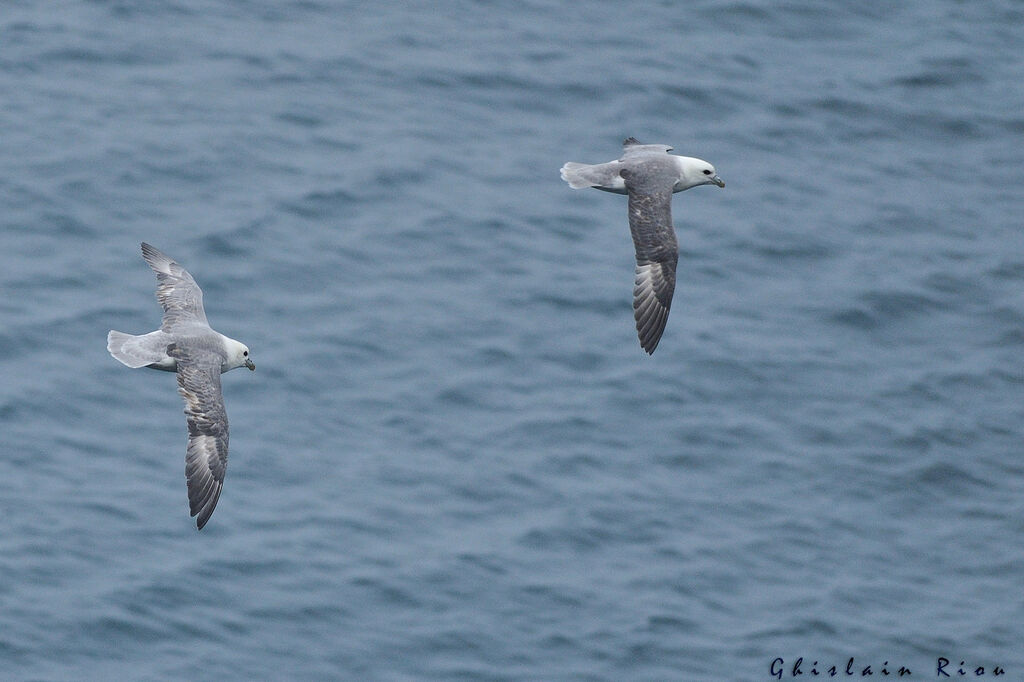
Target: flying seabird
x=649, y=175
x=186, y=344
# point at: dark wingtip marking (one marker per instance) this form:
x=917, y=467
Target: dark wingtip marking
x=651, y=340
x=649, y=344
x=651, y=320
x=630, y=141
x=205, y=512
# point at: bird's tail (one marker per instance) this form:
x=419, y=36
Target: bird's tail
x=132, y=350
x=600, y=175
x=575, y=174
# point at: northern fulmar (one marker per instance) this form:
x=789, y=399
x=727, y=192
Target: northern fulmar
x=186, y=344
x=649, y=175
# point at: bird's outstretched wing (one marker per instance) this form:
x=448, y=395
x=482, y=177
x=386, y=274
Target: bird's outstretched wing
x=634, y=147
x=206, y=457
x=178, y=294
x=657, y=252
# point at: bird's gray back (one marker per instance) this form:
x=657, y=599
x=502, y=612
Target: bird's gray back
x=650, y=172
x=197, y=340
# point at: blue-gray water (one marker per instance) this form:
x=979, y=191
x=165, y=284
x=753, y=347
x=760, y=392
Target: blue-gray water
x=454, y=462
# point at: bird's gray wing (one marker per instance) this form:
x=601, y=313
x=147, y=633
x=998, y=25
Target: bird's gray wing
x=206, y=457
x=178, y=294
x=657, y=252
x=634, y=147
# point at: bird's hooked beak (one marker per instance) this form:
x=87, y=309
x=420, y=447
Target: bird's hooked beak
x=718, y=181
x=250, y=365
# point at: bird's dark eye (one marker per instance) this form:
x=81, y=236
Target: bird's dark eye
x=245, y=353
x=707, y=172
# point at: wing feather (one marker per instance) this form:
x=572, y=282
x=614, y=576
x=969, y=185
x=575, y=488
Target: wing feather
x=657, y=253
x=178, y=294
x=634, y=147
x=206, y=457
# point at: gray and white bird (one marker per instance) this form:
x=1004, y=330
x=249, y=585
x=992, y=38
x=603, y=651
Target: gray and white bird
x=186, y=344
x=649, y=175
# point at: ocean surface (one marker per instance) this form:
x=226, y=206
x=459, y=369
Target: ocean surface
x=454, y=461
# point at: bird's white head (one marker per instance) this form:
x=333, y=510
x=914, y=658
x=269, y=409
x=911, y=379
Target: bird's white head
x=238, y=356
x=694, y=172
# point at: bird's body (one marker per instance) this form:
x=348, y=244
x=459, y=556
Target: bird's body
x=150, y=350
x=185, y=344
x=648, y=175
